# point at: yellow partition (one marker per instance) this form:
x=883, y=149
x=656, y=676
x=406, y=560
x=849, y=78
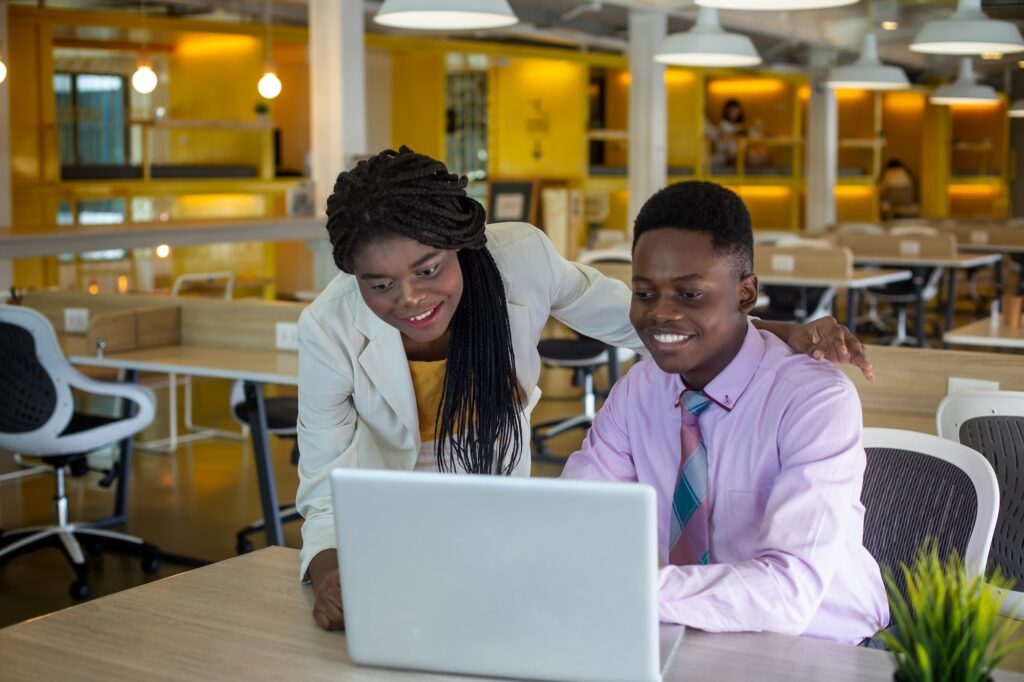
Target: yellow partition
x=418, y=91
x=538, y=110
x=685, y=97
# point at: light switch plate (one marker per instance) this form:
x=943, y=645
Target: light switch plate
x=960, y=384
x=287, y=336
x=76, y=320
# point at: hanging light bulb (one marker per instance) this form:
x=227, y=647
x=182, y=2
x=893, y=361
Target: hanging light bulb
x=3, y=71
x=144, y=79
x=707, y=44
x=270, y=85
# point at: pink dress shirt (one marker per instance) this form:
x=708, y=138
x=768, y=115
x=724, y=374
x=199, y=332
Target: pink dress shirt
x=785, y=470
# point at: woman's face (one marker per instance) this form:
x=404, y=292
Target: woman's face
x=413, y=287
x=732, y=113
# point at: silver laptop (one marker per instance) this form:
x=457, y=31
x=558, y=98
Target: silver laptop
x=510, y=577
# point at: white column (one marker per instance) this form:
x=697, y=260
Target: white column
x=821, y=148
x=338, y=103
x=6, y=267
x=648, y=155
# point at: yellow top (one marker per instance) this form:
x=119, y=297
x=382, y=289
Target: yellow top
x=427, y=381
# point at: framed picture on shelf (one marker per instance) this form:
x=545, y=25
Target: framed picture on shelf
x=512, y=201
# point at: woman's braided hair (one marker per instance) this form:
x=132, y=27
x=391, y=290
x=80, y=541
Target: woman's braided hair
x=412, y=195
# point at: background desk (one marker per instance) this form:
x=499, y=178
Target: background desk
x=981, y=333
x=249, y=618
x=862, y=278
x=252, y=367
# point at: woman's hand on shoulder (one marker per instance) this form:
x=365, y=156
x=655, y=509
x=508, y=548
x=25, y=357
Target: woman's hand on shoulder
x=826, y=339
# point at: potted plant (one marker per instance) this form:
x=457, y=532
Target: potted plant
x=947, y=625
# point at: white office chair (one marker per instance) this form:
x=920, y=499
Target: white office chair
x=584, y=356
x=918, y=486
x=38, y=419
x=992, y=422
x=193, y=431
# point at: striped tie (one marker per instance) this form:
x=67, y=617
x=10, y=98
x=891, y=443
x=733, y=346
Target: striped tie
x=688, y=538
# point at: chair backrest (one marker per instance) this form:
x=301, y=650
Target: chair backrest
x=207, y=279
x=36, y=398
x=992, y=422
x=36, y=403
x=613, y=263
x=940, y=246
x=804, y=258
x=860, y=228
x=918, y=486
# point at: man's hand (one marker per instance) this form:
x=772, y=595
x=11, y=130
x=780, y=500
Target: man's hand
x=826, y=339
x=328, y=611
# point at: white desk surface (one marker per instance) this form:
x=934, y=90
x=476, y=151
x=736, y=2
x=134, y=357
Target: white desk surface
x=862, y=278
x=962, y=261
x=270, y=367
x=981, y=333
x=55, y=240
x=248, y=618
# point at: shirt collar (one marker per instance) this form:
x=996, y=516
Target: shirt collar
x=726, y=388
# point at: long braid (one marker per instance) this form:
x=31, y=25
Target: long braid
x=415, y=196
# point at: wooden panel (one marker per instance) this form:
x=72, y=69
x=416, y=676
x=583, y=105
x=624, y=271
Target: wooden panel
x=982, y=235
x=909, y=246
x=249, y=324
x=910, y=383
x=123, y=330
x=157, y=326
x=52, y=303
x=827, y=263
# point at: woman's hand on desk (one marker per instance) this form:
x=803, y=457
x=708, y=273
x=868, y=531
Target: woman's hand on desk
x=328, y=611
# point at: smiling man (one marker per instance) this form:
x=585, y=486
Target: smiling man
x=754, y=451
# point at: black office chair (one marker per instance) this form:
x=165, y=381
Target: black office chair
x=918, y=486
x=282, y=416
x=38, y=419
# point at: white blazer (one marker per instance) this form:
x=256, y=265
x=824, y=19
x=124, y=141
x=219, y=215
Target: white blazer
x=357, y=406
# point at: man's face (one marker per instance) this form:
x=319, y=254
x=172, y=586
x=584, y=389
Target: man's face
x=689, y=304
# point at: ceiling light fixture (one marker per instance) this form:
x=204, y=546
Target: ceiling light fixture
x=890, y=25
x=774, y=5
x=1017, y=110
x=144, y=79
x=269, y=86
x=446, y=15
x=968, y=31
x=965, y=89
x=707, y=44
x=868, y=72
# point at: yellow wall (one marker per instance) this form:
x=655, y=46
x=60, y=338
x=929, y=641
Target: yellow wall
x=770, y=206
x=418, y=96
x=856, y=122
x=903, y=123
x=977, y=200
x=213, y=77
x=616, y=111
x=979, y=124
x=538, y=115
x=290, y=110
x=856, y=203
x=684, y=91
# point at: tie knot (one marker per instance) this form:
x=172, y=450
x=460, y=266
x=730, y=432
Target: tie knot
x=695, y=402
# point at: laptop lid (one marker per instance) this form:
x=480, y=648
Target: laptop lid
x=488, y=575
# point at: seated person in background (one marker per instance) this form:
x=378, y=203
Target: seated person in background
x=897, y=192
x=754, y=451
x=725, y=137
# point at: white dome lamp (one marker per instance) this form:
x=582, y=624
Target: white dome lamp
x=774, y=5
x=1017, y=110
x=968, y=31
x=707, y=44
x=445, y=15
x=269, y=85
x=965, y=89
x=868, y=72
x=144, y=80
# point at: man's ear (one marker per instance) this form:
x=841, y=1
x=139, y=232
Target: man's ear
x=747, y=293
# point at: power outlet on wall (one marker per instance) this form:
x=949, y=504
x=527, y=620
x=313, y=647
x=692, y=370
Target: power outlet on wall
x=76, y=320
x=287, y=336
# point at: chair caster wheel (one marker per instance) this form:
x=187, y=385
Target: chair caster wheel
x=151, y=562
x=79, y=590
x=243, y=546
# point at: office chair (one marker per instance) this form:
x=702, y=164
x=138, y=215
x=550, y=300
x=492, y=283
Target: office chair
x=924, y=284
x=584, y=356
x=918, y=486
x=38, y=418
x=992, y=422
x=282, y=416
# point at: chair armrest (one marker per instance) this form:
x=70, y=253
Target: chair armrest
x=140, y=395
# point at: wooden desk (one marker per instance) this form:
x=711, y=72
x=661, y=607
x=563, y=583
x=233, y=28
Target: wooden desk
x=249, y=618
x=861, y=278
x=981, y=333
x=252, y=367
